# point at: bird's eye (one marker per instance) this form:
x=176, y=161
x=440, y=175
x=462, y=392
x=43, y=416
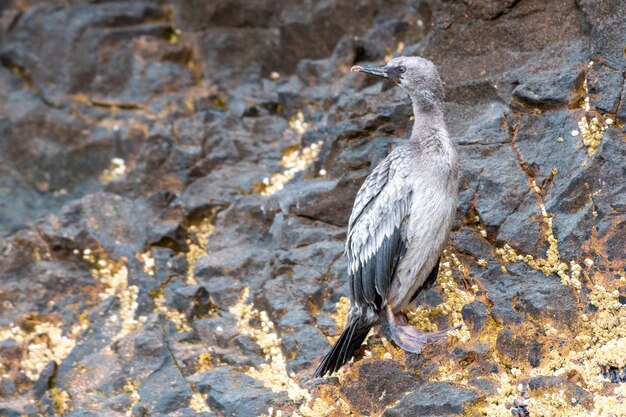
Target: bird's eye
x=401, y=69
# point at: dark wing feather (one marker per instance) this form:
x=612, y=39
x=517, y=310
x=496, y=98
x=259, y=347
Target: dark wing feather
x=376, y=240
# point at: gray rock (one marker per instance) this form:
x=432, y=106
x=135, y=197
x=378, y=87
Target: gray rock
x=233, y=393
x=200, y=121
x=476, y=316
x=434, y=399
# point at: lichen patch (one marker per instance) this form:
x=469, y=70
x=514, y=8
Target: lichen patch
x=273, y=373
x=198, y=403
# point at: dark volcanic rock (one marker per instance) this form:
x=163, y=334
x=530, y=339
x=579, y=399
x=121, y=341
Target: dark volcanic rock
x=476, y=316
x=172, y=242
x=233, y=393
x=519, y=348
x=434, y=399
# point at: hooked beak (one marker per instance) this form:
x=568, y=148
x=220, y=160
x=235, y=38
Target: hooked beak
x=377, y=71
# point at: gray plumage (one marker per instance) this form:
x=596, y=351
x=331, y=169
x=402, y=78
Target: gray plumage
x=401, y=218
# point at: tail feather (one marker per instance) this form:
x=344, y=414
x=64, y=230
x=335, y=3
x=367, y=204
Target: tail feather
x=351, y=338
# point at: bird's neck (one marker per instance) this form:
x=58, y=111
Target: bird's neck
x=429, y=131
x=428, y=123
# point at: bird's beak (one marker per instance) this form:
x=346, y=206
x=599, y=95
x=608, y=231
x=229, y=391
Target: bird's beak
x=377, y=71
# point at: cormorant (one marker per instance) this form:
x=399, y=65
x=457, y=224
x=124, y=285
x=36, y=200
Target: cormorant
x=400, y=220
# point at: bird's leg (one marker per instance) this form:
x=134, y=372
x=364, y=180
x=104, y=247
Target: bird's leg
x=407, y=337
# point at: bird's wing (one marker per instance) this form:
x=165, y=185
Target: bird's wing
x=376, y=240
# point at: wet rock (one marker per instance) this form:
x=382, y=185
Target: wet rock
x=102, y=219
x=434, y=398
x=194, y=300
x=96, y=29
x=7, y=388
x=224, y=291
x=501, y=192
x=544, y=298
x=522, y=229
x=9, y=411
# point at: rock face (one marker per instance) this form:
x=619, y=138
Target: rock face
x=176, y=180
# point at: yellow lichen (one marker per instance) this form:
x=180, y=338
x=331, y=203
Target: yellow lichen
x=174, y=35
x=341, y=316
x=198, y=242
x=198, y=403
x=45, y=343
x=114, y=275
x=592, y=130
x=60, y=400
x=205, y=362
x=148, y=262
x=273, y=373
x=294, y=160
x=116, y=170
x=298, y=124
x=178, y=318
x=592, y=127
x=322, y=408
x=131, y=388
x=451, y=372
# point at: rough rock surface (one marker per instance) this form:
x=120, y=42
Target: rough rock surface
x=176, y=179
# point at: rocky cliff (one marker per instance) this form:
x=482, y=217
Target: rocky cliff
x=176, y=179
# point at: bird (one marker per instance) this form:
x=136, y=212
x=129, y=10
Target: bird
x=400, y=220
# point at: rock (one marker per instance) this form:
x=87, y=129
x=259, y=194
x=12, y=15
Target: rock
x=233, y=393
x=165, y=390
x=547, y=83
x=7, y=388
x=45, y=380
x=501, y=192
x=194, y=300
x=522, y=348
x=9, y=412
x=476, y=316
x=434, y=399
x=325, y=201
x=374, y=379
x=143, y=253
x=303, y=346
x=605, y=84
x=542, y=384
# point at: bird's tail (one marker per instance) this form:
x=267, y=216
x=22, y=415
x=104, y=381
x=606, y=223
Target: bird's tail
x=351, y=338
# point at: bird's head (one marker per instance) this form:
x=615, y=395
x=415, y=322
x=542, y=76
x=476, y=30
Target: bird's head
x=417, y=76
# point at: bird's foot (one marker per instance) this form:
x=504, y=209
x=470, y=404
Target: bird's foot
x=409, y=338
